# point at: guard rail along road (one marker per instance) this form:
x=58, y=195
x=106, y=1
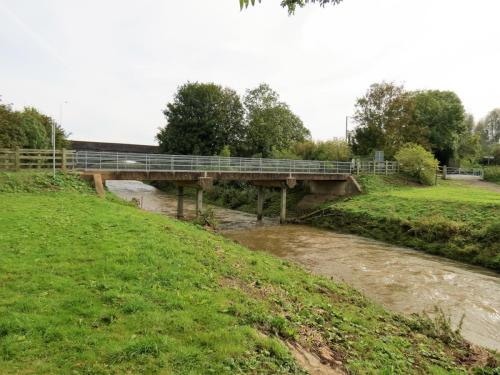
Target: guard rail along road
x=323, y=177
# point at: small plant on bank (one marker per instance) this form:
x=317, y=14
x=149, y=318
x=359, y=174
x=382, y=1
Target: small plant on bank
x=207, y=218
x=418, y=163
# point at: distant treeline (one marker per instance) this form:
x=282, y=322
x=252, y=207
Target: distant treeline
x=28, y=128
x=208, y=119
x=388, y=116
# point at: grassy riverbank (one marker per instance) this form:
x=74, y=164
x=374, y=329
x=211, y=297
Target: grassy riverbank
x=453, y=219
x=91, y=286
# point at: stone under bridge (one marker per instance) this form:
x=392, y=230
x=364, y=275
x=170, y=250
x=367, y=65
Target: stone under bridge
x=200, y=172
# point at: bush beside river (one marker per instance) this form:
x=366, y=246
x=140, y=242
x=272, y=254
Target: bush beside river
x=97, y=286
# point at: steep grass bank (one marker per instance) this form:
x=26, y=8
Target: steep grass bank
x=91, y=286
x=452, y=219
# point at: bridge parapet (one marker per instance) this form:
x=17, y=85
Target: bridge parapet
x=117, y=162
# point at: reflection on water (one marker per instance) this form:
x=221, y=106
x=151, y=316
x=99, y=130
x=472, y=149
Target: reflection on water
x=401, y=279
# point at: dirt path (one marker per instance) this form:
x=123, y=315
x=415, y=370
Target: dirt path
x=484, y=184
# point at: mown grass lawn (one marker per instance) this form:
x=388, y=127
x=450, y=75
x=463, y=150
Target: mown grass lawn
x=453, y=200
x=91, y=286
x=453, y=219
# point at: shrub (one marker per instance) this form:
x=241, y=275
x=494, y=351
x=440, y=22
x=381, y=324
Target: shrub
x=416, y=162
x=492, y=174
x=316, y=150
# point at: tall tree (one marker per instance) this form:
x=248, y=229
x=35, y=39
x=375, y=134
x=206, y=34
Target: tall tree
x=469, y=144
x=492, y=126
x=384, y=119
x=11, y=130
x=291, y=5
x=202, y=119
x=270, y=122
x=443, y=114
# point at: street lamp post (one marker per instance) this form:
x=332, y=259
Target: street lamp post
x=347, y=128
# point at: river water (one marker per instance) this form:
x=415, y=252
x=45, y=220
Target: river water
x=401, y=279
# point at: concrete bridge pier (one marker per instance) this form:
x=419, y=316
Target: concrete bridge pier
x=180, y=202
x=260, y=202
x=201, y=184
x=281, y=184
x=199, y=201
x=283, y=205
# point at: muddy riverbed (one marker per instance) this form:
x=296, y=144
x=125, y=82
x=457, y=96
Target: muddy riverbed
x=402, y=280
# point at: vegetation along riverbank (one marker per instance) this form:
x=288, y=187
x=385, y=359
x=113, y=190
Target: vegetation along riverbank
x=97, y=286
x=453, y=219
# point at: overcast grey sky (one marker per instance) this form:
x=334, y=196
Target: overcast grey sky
x=118, y=62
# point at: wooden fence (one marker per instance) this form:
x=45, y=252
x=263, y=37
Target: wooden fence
x=17, y=159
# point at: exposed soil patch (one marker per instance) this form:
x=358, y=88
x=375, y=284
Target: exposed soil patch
x=309, y=347
x=311, y=362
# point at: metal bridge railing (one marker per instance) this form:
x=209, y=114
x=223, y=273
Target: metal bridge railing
x=111, y=161
x=461, y=173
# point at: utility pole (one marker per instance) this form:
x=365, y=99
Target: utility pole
x=347, y=128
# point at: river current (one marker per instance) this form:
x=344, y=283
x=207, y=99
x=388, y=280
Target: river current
x=403, y=280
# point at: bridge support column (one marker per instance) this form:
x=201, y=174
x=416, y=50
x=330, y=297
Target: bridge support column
x=283, y=205
x=180, y=202
x=99, y=185
x=199, y=202
x=260, y=202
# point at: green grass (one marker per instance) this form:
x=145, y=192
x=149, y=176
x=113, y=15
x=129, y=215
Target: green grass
x=452, y=219
x=91, y=286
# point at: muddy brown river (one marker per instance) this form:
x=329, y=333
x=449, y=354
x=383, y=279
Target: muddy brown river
x=401, y=279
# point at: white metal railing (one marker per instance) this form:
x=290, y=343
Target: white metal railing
x=112, y=161
x=453, y=172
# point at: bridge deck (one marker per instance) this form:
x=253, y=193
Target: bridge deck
x=180, y=167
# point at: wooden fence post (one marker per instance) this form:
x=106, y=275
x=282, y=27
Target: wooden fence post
x=63, y=159
x=445, y=172
x=17, y=156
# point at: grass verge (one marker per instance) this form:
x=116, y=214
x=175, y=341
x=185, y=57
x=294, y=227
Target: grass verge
x=91, y=286
x=451, y=219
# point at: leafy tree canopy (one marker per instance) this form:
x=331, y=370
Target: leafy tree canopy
x=384, y=118
x=28, y=129
x=291, y=5
x=202, y=119
x=316, y=150
x=388, y=117
x=442, y=114
x=491, y=125
x=270, y=123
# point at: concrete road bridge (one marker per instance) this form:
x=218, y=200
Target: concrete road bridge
x=323, y=177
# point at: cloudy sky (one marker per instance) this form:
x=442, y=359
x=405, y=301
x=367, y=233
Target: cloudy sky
x=118, y=62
